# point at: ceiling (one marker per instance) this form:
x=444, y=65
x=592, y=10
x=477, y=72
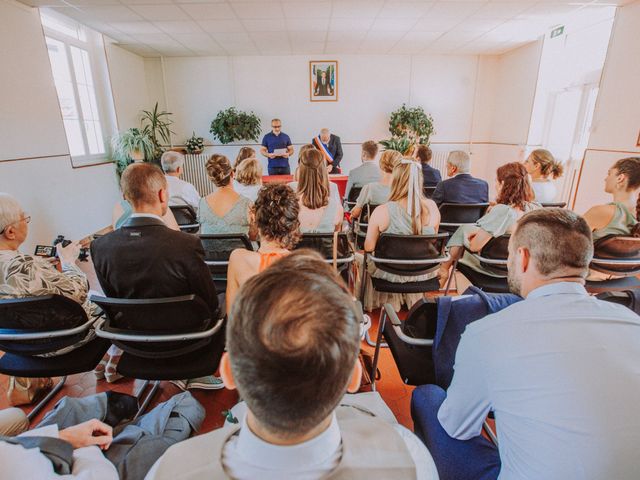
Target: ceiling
x=153, y=28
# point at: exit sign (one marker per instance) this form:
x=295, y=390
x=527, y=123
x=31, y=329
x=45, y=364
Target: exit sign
x=556, y=32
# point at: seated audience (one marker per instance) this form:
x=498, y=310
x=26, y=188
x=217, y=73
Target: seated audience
x=275, y=215
x=548, y=367
x=407, y=212
x=543, y=169
x=620, y=217
x=180, y=192
x=366, y=173
x=145, y=259
x=377, y=193
x=514, y=199
x=460, y=187
x=292, y=356
x=23, y=275
x=243, y=153
x=248, y=178
x=223, y=211
x=87, y=438
x=430, y=175
x=320, y=212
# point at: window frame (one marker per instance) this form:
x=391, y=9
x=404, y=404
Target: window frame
x=94, y=46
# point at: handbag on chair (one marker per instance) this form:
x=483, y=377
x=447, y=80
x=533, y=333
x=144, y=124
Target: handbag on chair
x=24, y=390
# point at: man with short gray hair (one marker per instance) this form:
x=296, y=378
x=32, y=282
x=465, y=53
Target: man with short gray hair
x=460, y=187
x=180, y=192
x=331, y=149
x=558, y=369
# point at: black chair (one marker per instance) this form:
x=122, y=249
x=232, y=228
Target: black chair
x=428, y=191
x=619, y=256
x=32, y=326
x=217, y=250
x=324, y=244
x=454, y=215
x=554, y=205
x=162, y=338
x=626, y=298
x=186, y=218
x=350, y=201
x=360, y=224
x=493, y=256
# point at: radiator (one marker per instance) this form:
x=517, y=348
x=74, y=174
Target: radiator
x=439, y=162
x=196, y=174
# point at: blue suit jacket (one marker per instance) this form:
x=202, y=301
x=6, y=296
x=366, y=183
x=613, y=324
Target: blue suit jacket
x=430, y=176
x=463, y=188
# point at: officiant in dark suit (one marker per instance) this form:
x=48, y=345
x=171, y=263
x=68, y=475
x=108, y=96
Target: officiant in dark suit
x=330, y=146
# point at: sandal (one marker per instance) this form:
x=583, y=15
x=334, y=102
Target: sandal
x=110, y=372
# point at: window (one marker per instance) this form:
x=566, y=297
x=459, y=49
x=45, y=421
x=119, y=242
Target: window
x=78, y=65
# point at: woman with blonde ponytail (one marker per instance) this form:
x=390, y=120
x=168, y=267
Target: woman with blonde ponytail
x=407, y=212
x=543, y=168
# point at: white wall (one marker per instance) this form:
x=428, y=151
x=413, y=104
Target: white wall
x=61, y=199
x=615, y=125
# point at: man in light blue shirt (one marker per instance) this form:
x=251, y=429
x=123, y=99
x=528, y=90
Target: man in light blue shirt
x=560, y=370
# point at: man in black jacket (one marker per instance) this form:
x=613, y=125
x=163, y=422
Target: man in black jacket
x=330, y=146
x=146, y=259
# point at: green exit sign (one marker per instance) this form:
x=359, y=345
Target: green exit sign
x=556, y=32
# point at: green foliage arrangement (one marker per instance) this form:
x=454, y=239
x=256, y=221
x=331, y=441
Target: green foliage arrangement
x=401, y=145
x=130, y=145
x=412, y=123
x=232, y=125
x=194, y=144
x=156, y=124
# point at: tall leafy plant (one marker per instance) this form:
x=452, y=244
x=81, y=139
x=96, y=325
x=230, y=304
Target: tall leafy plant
x=129, y=145
x=408, y=127
x=233, y=125
x=156, y=124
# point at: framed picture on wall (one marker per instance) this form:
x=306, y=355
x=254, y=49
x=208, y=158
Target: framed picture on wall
x=638, y=141
x=323, y=80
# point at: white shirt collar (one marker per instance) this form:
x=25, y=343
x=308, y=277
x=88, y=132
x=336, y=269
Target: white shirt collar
x=369, y=161
x=316, y=451
x=146, y=215
x=558, y=288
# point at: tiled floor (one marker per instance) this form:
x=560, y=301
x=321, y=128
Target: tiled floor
x=393, y=391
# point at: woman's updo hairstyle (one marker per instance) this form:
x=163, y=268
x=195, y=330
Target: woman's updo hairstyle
x=548, y=165
x=630, y=167
x=516, y=189
x=389, y=159
x=276, y=214
x=219, y=170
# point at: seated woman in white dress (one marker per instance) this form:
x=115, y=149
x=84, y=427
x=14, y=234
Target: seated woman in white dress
x=407, y=212
x=223, y=211
x=320, y=212
x=248, y=178
x=377, y=193
x=514, y=199
x=543, y=169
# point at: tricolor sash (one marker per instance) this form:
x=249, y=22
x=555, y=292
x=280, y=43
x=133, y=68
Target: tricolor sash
x=320, y=146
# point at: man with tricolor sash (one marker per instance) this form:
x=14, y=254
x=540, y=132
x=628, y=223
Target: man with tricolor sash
x=331, y=148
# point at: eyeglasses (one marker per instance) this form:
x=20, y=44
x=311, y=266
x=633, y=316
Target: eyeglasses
x=26, y=219
x=276, y=126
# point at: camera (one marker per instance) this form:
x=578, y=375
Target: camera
x=50, y=250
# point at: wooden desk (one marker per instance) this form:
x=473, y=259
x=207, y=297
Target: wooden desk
x=339, y=180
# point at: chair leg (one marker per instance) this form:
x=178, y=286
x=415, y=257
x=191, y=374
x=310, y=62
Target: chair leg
x=489, y=432
x=452, y=273
x=42, y=403
x=145, y=403
x=378, y=344
x=371, y=343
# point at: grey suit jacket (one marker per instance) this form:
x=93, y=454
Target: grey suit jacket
x=368, y=172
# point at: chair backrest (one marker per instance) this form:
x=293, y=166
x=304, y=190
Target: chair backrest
x=410, y=248
x=428, y=191
x=323, y=243
x=46, y=313
x=185, y=217
x=554, y=204
x=353, y=194
x=361, y=224
x=626, y=298
x=156, y=316
x=218, y=248
x=496, y=249
x=462, y=213
x=617, y=255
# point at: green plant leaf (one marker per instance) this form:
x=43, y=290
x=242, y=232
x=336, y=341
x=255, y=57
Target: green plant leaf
x=233, y=125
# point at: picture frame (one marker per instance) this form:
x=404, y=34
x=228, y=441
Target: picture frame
x=638, y=141
x=323, y=80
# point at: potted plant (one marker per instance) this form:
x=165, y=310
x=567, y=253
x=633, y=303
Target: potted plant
x=232, y=125
x=156, y=124
x=408, y=127
x=194, y=145
x=132, y=145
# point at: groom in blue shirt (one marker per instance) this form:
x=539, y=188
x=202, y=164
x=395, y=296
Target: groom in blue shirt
x=277, y=140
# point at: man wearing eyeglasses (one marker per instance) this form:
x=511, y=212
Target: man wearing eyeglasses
x=277, y=147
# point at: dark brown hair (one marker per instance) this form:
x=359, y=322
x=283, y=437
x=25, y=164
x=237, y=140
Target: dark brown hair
x=141, y=182
x=313, y=180
x=630, y=167
x=276, y=214
x=423, y=153
x=548, y=164
x=293, y=340
x=516, y=189
x=559, y=241
x=245, y=152
x=219, y=170
x=370, y=148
